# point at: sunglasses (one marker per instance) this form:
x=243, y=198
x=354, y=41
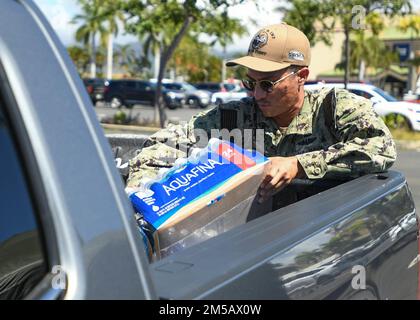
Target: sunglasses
x=265, y=85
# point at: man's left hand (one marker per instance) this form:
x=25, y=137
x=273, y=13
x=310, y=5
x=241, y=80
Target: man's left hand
x=281, y=172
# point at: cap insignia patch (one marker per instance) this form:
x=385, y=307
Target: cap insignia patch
x=296, y=55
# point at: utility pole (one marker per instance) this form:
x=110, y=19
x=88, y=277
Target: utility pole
x=224, y=62
x=347, y=58
x=223, y=70
x=110, y=58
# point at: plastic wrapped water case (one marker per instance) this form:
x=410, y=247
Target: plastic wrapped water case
x=202, y=196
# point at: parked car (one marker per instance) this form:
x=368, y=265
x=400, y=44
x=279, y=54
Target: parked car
x=402, y=114
x=95, y=88
x=127, y=93
x=67, y=228
x=227, y=96
x=411, y=97
x=214, y=87
x=193, y=97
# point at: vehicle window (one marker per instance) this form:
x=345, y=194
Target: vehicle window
x=361, y=93
x=229, y=87
x=22, y=262
x=210, y=87
x=385, y=95
x=188, y=87
x=115, y=85
x=172, y=86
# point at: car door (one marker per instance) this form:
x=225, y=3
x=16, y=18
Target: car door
x=24, y=262
x=239, y=94
x=130, y=91
x=69, y=209
x=145, y=93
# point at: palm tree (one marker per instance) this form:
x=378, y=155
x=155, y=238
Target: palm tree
x=369, y=52
x=363, y=52
x=126, y=57
x=411, y=23
x=90, y=27
x=80, y=58
x=111, y=15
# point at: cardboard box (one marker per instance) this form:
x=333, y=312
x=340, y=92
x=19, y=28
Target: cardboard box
x=209, y=194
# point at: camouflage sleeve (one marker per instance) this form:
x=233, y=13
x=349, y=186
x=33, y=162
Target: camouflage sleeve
x=173, y=142
x=365, y=143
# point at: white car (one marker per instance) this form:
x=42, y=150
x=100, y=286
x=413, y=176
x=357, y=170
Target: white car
x=384, y=104
x=223, y=97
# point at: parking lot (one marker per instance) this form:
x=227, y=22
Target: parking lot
x=408, y=163
x=146, y=112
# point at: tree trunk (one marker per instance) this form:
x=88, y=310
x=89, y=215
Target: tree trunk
x=110, y=56
x=362, y=68
x=223, y=70
x=347, y=57
x=156, y=114
x=157, y=63
x=167, y=54
x=93, y=57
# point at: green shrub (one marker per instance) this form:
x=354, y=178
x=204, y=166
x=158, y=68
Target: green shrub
x=120, y=117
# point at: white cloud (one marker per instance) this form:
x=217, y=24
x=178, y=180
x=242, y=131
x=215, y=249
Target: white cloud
x=262, y=15
x=59, y=13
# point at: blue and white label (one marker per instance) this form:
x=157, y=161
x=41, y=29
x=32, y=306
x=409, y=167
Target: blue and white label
x=191, y=181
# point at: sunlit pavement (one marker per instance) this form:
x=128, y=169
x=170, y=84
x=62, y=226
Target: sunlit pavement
x=146, y=113
x=408, y=162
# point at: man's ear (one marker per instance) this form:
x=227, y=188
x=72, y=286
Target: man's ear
x=303, y=75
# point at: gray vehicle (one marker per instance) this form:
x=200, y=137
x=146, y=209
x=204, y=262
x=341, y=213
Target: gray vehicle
x=67, y=229
x=193, y=97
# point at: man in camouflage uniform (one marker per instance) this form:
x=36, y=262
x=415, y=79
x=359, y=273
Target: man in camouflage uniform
x=331, y=134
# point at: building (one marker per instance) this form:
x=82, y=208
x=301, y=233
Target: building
x=397, y=80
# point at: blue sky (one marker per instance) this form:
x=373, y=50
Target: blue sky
x=61, y=12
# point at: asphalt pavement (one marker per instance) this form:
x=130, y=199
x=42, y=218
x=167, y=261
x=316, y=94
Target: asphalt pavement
x=146, y=113
x=408, y=162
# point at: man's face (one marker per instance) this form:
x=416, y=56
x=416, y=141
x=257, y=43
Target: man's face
x=284, y=96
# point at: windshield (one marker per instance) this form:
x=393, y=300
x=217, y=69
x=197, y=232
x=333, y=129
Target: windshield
x=230, y=87
x=188, y=87
x=172, y=86
x=385, y=95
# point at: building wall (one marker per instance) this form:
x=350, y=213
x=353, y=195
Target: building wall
x=415, y=50
x=324, y=58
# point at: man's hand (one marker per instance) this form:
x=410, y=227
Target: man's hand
x=280, y=173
